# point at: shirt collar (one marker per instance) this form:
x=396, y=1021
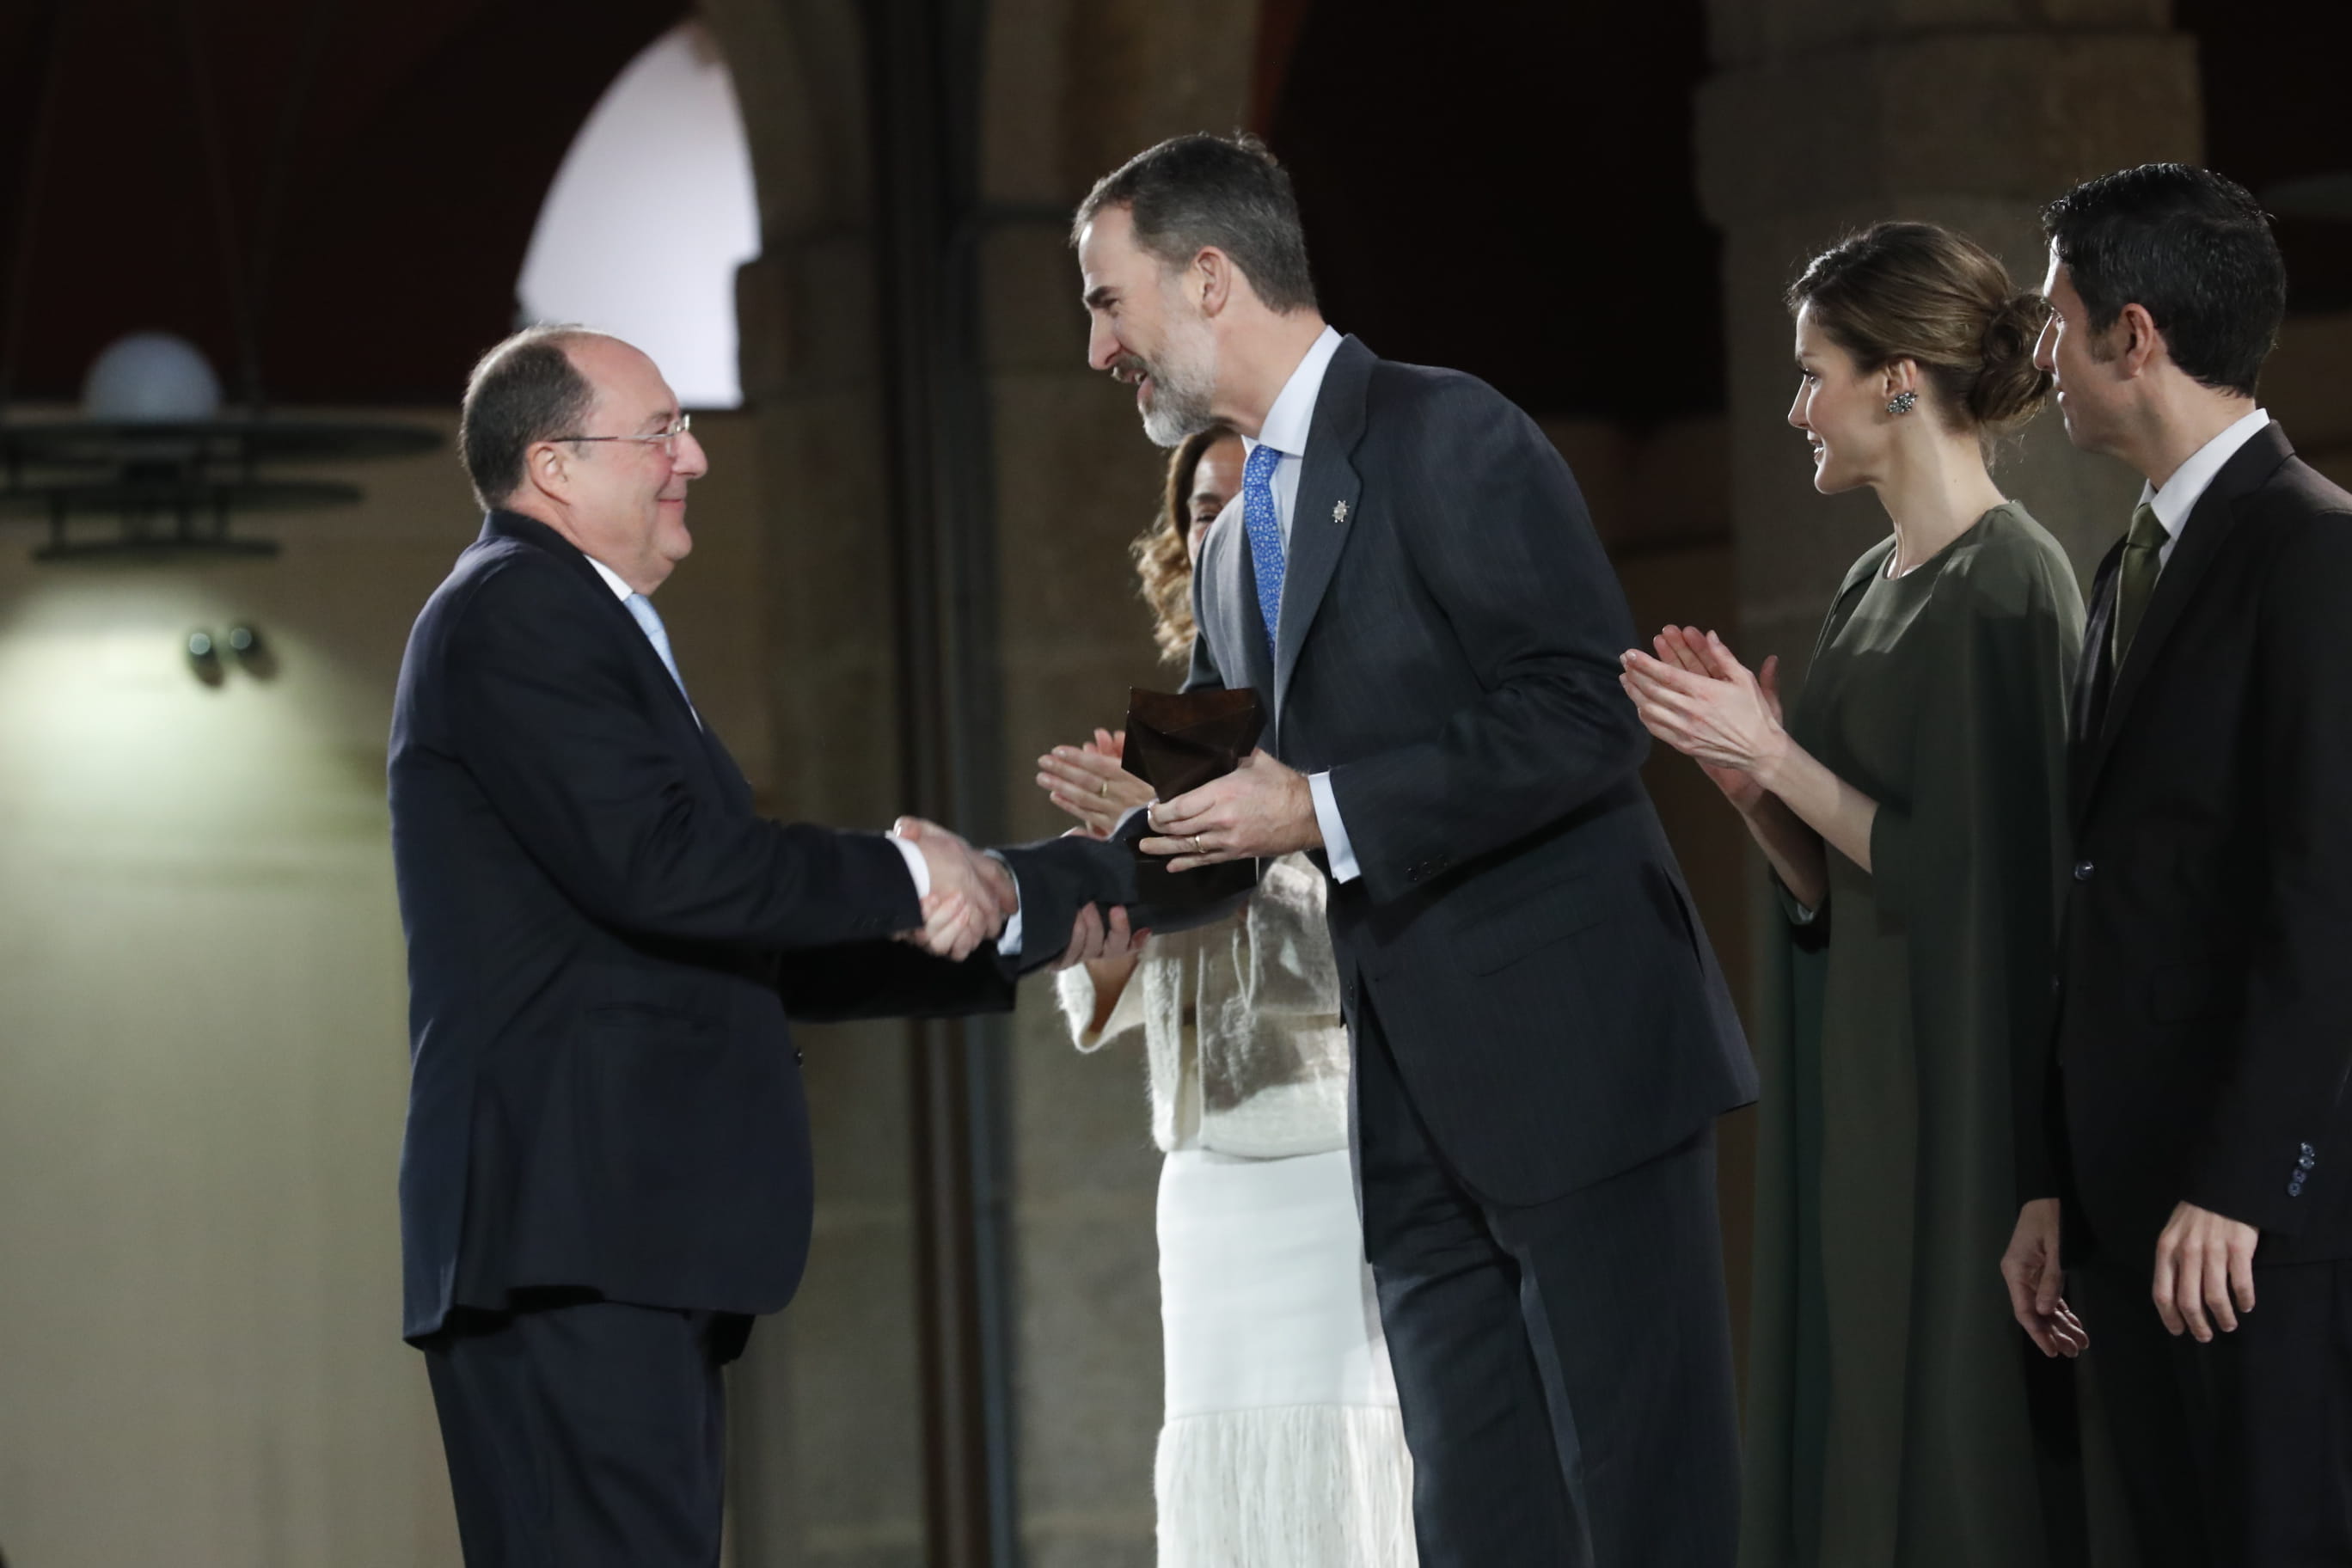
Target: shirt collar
x=2187, y=486
x=1287, y=422
x=612, y=578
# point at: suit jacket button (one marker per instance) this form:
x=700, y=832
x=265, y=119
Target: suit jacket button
x=797, y=1057
x=2308, y=1151
x=2083, y=869
x=2308, y=1160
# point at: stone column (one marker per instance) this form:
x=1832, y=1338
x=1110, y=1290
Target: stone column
x=1074, y=88
x=826, y=1408
x=1825, y=115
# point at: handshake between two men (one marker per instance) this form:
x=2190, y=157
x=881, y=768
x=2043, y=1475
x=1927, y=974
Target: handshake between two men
x=1122, y=873
x=1074, y=897
x=972, y=894
x=1260, y=810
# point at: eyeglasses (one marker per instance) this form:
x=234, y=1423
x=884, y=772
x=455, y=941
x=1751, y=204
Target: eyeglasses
x=666, y=440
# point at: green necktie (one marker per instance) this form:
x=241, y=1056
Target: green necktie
x=2136, y=578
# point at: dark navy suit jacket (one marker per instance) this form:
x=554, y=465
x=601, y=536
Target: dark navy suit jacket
x=1449, y=636
x=605, y=944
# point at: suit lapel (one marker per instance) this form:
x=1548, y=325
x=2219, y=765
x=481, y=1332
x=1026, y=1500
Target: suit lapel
x=1329, y=492
x=531, y=531
x=2202, y=537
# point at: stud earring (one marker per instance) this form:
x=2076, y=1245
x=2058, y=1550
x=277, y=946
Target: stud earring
x=1902, y=403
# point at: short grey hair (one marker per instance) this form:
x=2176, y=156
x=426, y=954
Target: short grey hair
x=524, y=391
x=1191, y=192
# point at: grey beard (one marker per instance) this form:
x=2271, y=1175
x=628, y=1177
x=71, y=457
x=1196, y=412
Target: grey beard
x=1174, y=414
x=1178, y=410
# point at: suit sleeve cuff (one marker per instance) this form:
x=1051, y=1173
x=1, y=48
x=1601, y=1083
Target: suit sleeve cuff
x=1336, y=846
x=1008, y=945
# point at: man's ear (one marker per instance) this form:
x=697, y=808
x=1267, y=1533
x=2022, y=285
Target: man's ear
x=2138, y=343
x=547, y=469
x=1211, y=279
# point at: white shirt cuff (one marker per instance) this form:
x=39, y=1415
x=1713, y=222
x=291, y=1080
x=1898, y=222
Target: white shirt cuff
x=917, y=867
x=1009, y=945
x=1336, y=847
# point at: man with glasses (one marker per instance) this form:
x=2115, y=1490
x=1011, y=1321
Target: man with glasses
x=606, y=1170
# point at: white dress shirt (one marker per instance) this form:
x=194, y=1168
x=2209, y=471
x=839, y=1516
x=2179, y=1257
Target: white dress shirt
x=2189, y=483
x=1285, y=430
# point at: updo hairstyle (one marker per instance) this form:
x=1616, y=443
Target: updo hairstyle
x=1916, y=291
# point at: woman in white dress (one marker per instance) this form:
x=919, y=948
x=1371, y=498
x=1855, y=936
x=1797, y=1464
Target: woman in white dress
x=1281, y=1444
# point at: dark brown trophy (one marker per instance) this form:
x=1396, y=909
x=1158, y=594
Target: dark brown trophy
x=1176, y=743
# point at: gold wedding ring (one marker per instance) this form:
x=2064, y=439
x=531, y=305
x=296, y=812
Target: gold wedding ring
x=1103, y=788
x=1196, y=844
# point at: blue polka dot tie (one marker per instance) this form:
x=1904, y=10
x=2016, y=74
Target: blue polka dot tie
x=1265, y=527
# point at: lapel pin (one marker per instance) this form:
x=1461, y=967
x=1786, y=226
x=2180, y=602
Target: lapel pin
x=1338, y=512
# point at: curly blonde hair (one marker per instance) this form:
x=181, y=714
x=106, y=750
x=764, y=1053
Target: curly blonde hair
x=1162, y=566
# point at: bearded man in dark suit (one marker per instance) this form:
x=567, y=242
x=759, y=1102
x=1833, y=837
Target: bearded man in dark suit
x=1542, y=1039
x=2189, y=1126
x=606, y=1171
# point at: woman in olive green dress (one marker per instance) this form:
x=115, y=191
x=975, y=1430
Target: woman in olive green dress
x=1913, y=811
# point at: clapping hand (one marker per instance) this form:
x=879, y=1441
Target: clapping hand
x=1090, y=783
x=971, y=897
x=1699, y=700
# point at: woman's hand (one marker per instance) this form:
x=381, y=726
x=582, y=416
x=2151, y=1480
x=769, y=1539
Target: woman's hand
x=1680, y=646
x=1088, y=783
x=1699, y=700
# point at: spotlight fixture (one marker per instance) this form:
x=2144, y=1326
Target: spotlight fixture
x=204, y=659
x=252, y=654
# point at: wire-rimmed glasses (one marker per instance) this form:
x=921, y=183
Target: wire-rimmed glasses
x=666, y=439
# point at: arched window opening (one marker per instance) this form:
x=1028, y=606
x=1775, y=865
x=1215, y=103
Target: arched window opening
x=651, y=213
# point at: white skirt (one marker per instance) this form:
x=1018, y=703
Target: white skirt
x=1283, y=1447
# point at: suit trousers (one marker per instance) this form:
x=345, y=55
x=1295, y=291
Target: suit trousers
x=587, y=1434
x=1565, y=1368
x=2236, y=1454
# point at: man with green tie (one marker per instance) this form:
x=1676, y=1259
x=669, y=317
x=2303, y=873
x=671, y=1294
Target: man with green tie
x=2188, y=1125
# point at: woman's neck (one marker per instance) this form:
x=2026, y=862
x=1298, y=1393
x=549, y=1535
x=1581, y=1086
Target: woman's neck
x=1935, y=491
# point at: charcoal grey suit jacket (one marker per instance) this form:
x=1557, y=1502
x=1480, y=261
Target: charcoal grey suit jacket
x=1449, y=636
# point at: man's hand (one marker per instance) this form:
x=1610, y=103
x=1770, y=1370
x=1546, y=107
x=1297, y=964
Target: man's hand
x=1094, y=939
x=1257, y=812
x=2031, y=1268
x=971, y=897
x=2201, y=1261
